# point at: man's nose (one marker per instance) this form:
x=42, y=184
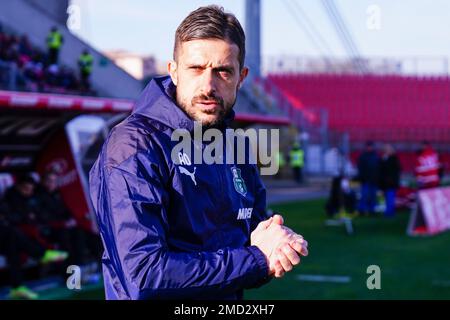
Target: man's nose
x=208, y=82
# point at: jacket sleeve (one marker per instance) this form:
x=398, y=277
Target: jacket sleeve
x=132, y=208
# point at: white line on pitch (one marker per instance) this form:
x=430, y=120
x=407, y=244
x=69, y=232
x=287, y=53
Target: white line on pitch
x=322, y=278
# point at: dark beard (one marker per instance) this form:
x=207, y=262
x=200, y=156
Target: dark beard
x=223, y=112
x=219, y=123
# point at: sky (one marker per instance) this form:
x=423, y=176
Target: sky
x=403, y=28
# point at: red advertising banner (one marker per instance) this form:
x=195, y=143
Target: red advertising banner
x=432, y=213
x=57, y=156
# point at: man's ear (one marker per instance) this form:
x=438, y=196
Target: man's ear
x=242, y=76
x=172, y=69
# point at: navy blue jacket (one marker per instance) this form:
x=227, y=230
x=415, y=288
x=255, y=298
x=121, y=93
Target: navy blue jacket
x=173, y=231
x=368, y=167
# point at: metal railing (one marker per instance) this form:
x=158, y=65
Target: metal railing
x=415, y=65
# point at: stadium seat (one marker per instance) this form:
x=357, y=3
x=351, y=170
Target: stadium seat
x=386, y=108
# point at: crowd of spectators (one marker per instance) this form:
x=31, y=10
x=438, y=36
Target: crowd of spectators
x=35, y=222
x=36, y=70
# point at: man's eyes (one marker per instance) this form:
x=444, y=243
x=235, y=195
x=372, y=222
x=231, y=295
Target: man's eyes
x=222, y=72
x=225, y=73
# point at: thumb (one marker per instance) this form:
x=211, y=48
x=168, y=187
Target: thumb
x=265, y=224
x=278, y=219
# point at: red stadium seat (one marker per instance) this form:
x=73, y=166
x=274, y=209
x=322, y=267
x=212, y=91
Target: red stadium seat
x=404, y=108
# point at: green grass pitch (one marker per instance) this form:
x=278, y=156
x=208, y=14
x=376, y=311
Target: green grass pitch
x=411, y=268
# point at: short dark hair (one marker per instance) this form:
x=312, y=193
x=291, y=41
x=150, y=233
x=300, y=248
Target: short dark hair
x=211, y=22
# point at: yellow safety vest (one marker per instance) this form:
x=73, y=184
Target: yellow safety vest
x=86, y=61
x=54, y=40
x=297, y=158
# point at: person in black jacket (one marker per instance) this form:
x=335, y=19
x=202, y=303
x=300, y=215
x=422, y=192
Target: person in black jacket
x=14, y=243
x=61, y=225
x=19, y=201
x=390, y=170
x=83, y=246
x=368, y=171
x=22, y=208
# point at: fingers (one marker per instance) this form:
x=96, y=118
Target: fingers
x=264, y=224
x=300, y=245
x=284, y=261
x=297, y=242
x=286, y=256
x=283, y=247
x=282, y=234
x=291, y=254
x=279, y=271
x=276, y=267
x=278, y=219
x=305, y=250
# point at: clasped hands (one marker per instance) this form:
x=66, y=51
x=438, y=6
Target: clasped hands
x=281, y=246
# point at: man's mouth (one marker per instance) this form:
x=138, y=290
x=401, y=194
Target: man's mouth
x=208, y=106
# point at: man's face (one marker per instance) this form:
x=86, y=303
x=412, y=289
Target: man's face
x=207, y=77
x=51, y=182
x=26, y=189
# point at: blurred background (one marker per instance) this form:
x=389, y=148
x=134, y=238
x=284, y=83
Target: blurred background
x=360, y=92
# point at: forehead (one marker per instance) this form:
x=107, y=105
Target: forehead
x=209, y=52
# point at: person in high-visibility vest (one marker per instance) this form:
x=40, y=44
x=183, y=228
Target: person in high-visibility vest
x=297, y=161
x=85, y=63
x=54, y=43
